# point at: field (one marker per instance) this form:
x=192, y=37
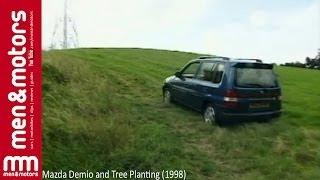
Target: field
x=103, y=110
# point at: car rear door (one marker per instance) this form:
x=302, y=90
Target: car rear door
x=200, y=85
x=206, y=85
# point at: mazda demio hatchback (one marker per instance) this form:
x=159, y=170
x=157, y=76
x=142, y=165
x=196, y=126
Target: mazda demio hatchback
x=226, y=89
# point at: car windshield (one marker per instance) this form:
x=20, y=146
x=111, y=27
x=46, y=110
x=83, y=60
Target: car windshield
x=255, y=78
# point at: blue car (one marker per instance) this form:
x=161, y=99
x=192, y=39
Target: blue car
x=225, y=89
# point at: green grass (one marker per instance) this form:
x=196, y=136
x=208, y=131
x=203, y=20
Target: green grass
x=103, y=110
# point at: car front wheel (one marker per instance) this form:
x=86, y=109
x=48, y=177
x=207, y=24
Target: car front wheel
x=167, y=99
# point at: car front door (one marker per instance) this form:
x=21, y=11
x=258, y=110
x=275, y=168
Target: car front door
x=183, y=84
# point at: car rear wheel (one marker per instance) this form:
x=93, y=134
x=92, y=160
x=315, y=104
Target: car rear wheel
x=210, y=115
x=167, y=99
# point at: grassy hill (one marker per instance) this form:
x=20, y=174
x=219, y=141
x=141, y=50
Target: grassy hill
x=103, y=110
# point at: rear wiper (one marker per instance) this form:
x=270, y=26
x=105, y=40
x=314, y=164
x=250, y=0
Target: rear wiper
x=253, y=85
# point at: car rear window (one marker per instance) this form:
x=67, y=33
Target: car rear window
x=255, y=78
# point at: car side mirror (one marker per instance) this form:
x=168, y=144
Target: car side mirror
x=178, y=74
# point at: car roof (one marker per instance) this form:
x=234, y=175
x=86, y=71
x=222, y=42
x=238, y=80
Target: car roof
x=226, y=59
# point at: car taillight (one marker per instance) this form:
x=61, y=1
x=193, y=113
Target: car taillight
x=231, y=96
x=231, y=99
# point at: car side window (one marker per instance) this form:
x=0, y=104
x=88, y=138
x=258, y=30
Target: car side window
x=191, y=70
x=206, y=70
x=217, y=73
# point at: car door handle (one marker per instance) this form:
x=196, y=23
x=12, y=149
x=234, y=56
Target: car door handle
x=205, y=89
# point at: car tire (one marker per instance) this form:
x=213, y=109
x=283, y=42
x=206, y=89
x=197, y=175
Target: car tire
x=167, y=98
x=211, y=114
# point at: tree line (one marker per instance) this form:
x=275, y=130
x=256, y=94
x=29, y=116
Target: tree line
x=311, y=63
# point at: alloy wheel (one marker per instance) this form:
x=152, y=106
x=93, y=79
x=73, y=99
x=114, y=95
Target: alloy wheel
x=167, y=97
x=209, y=114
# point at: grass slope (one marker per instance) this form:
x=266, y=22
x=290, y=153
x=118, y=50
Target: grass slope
x=103, y=110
